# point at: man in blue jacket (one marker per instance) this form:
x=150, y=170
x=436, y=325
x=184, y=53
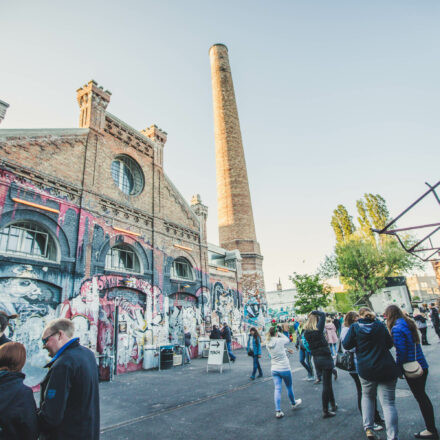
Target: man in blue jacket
x=69, y=399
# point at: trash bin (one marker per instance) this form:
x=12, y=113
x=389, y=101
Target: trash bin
x=166, y=357
x=204, y=346
x=151, y=357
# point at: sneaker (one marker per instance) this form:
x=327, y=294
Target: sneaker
x=309, y=379
x=279, y=414
x=370, y=434
x=377, y=427
x=317, y=381
x=328, y=414
x=297, y=403
x=251, y=377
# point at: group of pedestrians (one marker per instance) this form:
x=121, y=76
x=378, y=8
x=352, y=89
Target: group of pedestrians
x=69, y=394
x=224, y=333
x=368, y=342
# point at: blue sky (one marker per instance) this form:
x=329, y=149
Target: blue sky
x=336, y=98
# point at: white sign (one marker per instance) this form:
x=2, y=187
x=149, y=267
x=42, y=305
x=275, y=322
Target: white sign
x=218, y=354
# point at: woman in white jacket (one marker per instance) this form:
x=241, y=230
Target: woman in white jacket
x=276, y=346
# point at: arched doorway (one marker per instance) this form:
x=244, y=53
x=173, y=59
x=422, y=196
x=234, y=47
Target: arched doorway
x=121, y=330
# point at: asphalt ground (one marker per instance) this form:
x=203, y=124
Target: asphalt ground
x=189, y=403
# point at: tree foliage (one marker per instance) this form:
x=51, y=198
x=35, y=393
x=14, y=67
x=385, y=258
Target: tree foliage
x=361, y=259
x=311, y=293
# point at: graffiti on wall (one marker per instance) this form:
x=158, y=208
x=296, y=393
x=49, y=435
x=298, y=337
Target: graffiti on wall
x=35, y=302
x=255, y=305
x=226, y=307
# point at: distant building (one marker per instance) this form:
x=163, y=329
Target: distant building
x=280, y=303
x=425, y=287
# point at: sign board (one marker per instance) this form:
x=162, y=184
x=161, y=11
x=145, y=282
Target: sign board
x=218, y=354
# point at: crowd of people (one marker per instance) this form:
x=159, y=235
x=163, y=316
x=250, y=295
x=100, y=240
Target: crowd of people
x=360, y=343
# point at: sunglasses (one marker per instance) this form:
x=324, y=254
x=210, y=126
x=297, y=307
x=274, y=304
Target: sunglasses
x=44, y=340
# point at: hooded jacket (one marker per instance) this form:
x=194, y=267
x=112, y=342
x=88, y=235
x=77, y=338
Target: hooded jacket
x=277, y=351
x=256, y=345
x=18, y=412
x=69, y=398
x=373, y=343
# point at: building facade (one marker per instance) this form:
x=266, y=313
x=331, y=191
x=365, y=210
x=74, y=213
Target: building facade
x=92, y=229
x=423, y=287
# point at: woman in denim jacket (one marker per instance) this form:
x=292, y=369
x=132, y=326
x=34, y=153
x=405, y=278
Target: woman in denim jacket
x=254, y=344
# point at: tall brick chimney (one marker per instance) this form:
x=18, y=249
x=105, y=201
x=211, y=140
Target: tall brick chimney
x=235, y=217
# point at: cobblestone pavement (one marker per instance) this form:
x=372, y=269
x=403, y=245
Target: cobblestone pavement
x=189, y=403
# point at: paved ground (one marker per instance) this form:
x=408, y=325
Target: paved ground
x=188, y=403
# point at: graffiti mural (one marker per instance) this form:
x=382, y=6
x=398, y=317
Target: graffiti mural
x=255, y=308
x=226, y=307
x=35, y=302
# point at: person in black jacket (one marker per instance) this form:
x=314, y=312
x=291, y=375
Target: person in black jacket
x=227, y=336
x=18, y=412
x=215, y=333
x=377, y=370
x=313, y=332
x=69, y=397
x=435, y=319
x=187, y=338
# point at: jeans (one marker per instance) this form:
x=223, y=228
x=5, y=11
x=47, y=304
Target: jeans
x=417, y=387
x=327, y=389
x=333, y=349
x=423, y=332
x=257, y=366
x=278, y=377
x=231, y=355
x=387, y=397
x=377, y=417
x=305, y=359
x=187, y=355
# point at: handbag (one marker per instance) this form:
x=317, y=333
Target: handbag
x=345, y=360
x=412, y=369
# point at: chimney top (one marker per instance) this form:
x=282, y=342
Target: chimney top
x=3, y=107
x=219, y=44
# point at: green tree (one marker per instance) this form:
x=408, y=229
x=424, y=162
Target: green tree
x=342, y=224
x=363, y=266
x=372, y=213
x=311, y=293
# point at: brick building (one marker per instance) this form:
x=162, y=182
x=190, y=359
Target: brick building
x=92, y=229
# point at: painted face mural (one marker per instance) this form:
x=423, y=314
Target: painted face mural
x=35, y=303
x=226, y=303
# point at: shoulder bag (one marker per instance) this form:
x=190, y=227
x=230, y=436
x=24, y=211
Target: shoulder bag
x=250, y=352
x=412, y=369
x=345, y=360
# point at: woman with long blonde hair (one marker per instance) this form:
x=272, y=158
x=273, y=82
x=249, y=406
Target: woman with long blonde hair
x=318, y=346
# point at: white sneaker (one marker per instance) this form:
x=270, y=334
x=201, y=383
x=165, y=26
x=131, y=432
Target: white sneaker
x=279, y=414
x=297, y=403
x=377, y=427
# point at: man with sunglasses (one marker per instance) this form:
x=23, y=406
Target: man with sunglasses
x=69, y=398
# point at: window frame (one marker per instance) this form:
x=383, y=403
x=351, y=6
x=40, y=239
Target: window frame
x=27, y=229
x=114, y=254
x=188, y=265
x=127, y=166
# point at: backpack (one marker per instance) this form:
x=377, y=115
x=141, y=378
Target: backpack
x=305, y=343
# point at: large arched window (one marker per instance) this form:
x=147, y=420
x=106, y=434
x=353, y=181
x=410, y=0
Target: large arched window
x=28, y=239
x=122, y=258
x=182, y=269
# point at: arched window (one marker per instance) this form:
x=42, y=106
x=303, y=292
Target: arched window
x=182, y=269
x=29, y=240
x=127, y=175
x=122, y=258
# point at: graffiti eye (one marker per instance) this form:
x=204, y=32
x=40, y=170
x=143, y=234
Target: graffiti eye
x=25, y=283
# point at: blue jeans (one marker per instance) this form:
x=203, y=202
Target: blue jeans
x=278, y=377
x=305, y=359
x=231, y=355
x=333, y=349
x=257, y=366
x=187, y=355
x=387, y=397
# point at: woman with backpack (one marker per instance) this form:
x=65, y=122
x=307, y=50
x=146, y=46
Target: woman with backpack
x=280, y=367
x=322, y=357
x=254, y=350
x=377, y=370
x=351, y=318
x=408, y=350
